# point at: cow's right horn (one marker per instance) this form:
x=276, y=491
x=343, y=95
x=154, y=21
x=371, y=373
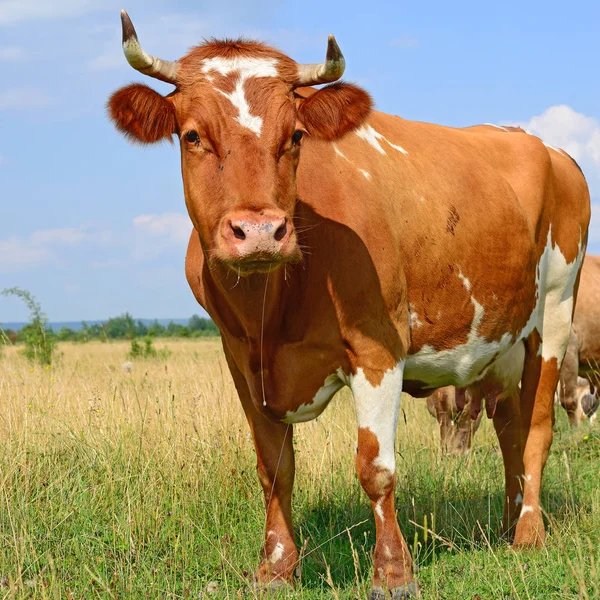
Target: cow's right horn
x=140, y=60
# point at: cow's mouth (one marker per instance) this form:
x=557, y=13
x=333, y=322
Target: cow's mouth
x=251, y=266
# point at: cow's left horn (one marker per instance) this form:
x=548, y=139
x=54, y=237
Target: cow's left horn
x=331, y=70
x=140, y=60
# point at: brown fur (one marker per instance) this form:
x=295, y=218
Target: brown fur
x=334, y=111
x=142, y=114
x=381, y=235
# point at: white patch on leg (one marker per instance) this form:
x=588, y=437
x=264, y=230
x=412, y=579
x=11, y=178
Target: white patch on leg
x=246, y=68
x=311, y=410
x=277, y=553
x=379, y=510
x=526, y=509
x=367, y=133
x=377, y=410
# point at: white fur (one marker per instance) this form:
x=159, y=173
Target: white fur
x=496, y=126
x=379, y=510
x=377, y=409
x=526, y=509
x=311, y=410
x=366, y=174
x=277, y=553
x=465, y=281
x=246, y=68
x=367, y=133
x=551, y=316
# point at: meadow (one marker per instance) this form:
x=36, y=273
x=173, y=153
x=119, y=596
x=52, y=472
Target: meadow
x=142, y=484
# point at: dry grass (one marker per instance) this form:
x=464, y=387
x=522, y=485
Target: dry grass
x=142, y=484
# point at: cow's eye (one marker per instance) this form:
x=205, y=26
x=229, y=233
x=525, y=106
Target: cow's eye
x=296, y=137
x=192, y=137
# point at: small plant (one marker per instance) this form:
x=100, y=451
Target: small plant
x=40, y=343
x=147, y=349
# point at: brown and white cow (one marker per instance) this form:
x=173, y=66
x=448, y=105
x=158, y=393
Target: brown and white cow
x=583, y=352
x=333, y=246
x=458, y=413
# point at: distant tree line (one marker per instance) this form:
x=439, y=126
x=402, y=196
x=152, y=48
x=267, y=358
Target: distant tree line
x=123, y=327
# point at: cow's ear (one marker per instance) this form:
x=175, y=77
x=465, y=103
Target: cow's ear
x=142, y=114
x=334, y=110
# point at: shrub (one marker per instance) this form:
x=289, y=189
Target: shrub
x=40, y=343
x=147, y=350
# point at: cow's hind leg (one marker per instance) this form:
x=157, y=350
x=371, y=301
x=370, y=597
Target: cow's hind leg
x=377, y=399
x=507, y=423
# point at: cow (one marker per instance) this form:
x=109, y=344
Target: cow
x=583, y=352
x=458, y=412
x=333, y=246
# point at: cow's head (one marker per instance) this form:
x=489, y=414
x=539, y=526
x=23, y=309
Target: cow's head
x=241, y=123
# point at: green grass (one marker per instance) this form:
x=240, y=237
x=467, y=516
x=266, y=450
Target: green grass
x=143, y=485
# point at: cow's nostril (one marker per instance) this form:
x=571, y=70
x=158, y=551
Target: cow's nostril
x=238, y=232
x=281, y=231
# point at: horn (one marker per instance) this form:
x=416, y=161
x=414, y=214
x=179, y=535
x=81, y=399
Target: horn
x=331, y=70
x=142, y=61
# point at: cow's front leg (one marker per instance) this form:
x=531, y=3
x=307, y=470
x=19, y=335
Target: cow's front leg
x=377, y=398
x=276, y=469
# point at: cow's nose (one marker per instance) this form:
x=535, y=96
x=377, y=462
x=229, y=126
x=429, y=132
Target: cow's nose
x=262, y=230
x=256, y=234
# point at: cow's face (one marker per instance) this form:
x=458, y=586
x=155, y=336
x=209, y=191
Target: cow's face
x=241, y=125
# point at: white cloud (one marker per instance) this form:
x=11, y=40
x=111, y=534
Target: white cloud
x=39, y=247
x=13, y=11
x=12, y=54
x=23, y=98
x=172, y=227
x=565, y=128
x=68, y=235
x=16, y=254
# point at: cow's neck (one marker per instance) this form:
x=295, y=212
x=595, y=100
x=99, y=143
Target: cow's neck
x=250, y=307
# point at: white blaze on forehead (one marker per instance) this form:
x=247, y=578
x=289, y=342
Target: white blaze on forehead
x=367, y=133
x=311, y=410
x=246, y=68
x=377, y=409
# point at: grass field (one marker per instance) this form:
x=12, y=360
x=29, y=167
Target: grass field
x=142, y=485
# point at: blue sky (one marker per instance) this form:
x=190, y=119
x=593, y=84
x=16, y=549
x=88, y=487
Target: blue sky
x=94, y=226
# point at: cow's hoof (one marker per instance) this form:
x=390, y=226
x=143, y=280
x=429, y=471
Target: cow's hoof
x=410, y=590
x=377, y=593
